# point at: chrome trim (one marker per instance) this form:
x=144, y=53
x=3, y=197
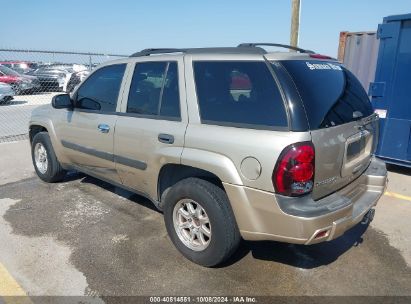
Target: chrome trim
x=107, y=156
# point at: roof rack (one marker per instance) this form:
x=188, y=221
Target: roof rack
x=286, y=46
x=250, y=48
x=147, y=52
x=224, y=50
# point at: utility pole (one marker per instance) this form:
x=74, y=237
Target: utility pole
x=295, y=22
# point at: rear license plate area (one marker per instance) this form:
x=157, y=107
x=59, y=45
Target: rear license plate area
x=356, y=148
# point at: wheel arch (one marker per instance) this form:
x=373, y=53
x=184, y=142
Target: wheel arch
x=34, y=129
x=45, y=125
x=170, y=174
x=214, y=168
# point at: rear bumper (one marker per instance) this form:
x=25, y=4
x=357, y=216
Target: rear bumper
x=264, y=215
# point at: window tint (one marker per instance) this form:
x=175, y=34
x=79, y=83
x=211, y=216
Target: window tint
x=238, y=93
x=100, y=91
x=331, y=94
x=170, y=101
x=154, y=90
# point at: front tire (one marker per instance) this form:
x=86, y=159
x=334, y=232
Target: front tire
x=200, y=222
x=44, y=159
x=16, y=89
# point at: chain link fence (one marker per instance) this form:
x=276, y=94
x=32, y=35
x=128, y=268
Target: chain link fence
x=30, y=78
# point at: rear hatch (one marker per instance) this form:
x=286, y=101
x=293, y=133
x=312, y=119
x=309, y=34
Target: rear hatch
x=343, y=127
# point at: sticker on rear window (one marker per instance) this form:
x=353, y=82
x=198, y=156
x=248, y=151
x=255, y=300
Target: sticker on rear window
x=322, y=66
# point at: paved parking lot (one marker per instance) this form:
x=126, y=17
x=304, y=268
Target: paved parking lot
x=85, y=237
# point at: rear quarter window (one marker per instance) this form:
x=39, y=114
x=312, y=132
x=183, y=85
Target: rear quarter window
x=239, y=94
x=331, y=94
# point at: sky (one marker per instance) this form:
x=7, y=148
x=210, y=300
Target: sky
x=126, y=26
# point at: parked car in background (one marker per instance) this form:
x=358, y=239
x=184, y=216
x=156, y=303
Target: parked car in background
x=21, y=67
x=6, y=92
x=56, y=77
x=65, y=66
x=75, y=79
x=79, y=67
x=52, y=78
x=20, y=83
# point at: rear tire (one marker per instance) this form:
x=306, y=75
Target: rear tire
x=44, y=159
x=221, y=237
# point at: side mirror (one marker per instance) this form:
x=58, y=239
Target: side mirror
x=62, y=101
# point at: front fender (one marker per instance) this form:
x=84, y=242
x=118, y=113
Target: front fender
x=45, y=122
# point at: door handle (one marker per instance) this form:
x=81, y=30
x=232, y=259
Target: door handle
x=103, y=128
x=166, y=138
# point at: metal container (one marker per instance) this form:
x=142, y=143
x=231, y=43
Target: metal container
x=359, y=51
x=391, y=90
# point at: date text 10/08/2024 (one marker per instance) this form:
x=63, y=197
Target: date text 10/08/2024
x=205, y=299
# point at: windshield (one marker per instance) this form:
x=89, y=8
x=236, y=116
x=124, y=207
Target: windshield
x=7, y=71
x=331, y=94
x=52, y=70
x=19, y=70
x=60, y=67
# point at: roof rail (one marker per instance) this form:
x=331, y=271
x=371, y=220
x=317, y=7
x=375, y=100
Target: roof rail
x=215, y=50
x=243, y=47
x=148, y=52
x=286, y=46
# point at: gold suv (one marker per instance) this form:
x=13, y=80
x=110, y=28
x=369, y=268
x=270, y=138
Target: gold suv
x=229, y=143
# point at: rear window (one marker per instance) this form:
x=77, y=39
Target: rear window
x=239, y=94
x=331, y=94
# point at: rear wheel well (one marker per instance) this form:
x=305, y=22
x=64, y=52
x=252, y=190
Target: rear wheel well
x=34, y=129
x=170, y=174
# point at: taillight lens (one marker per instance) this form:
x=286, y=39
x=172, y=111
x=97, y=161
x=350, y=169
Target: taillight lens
x=319, y=56
x=294, y=172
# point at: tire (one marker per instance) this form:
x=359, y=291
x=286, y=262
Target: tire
x=5, y=100
x=16, y=89
x=52, y=172
x=224, y=234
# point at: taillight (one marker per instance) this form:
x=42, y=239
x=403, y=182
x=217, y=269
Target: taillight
x=294, y=172
x=320, y=56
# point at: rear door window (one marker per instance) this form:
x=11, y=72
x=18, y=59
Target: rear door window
x=154, y=90
x=331, y=94
x=145, y=90
x=239, y=94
